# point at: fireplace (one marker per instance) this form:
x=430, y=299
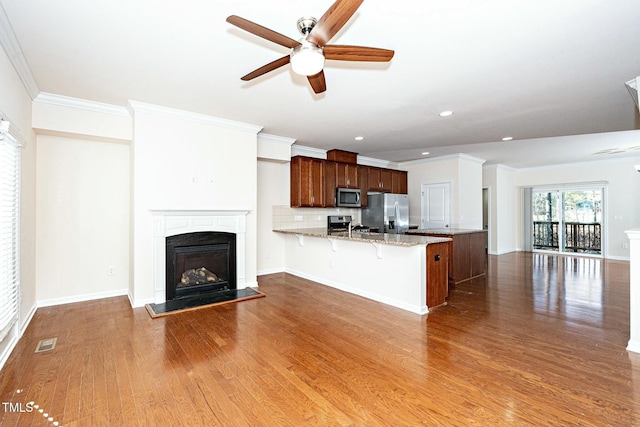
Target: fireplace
x=168, y=223
x=200, y=262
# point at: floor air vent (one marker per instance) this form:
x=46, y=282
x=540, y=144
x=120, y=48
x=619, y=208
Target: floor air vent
x=46, y=345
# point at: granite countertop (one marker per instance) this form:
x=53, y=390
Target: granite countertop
x=450, y=231
x=383, y=238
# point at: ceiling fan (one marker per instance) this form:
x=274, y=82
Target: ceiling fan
x=309, y=53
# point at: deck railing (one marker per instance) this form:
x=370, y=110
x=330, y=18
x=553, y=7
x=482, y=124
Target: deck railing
x=578, y=236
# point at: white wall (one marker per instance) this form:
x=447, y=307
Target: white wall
x=273, y=190
x=15, y=106
x=186, y=161
x=503, y=208
x=465, y=175
x=620, y=198
x=82, y=223
x=469, y=193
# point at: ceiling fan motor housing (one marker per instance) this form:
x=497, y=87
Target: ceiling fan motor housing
x=306, y=24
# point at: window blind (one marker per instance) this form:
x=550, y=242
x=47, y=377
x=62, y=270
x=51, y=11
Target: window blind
x=9, y=231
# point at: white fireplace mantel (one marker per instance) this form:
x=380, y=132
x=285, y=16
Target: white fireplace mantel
x=171, y=222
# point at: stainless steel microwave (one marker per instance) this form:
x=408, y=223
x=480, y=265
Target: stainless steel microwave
x=348, y=197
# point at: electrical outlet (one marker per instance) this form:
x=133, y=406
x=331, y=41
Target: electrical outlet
x=111, y=271
x=298, y=218
x=625, y=245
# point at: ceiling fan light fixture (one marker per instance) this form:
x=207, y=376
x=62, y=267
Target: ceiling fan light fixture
x=307, y=59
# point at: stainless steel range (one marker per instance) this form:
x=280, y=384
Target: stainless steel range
x=344, y=223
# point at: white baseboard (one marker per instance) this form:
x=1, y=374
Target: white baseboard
x=633, y=346
x=81, y=298
x=508, y=251
x=14, y=337
x=138, y=303
x=25, y=324
x=270, y=271
x=618, y=258
x=8, y=344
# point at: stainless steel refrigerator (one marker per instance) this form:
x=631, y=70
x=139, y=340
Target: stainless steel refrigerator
x=389, y=213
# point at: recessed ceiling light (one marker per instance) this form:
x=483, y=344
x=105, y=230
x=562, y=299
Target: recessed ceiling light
x=359, y=138
x=507, y=138
x=446, y=113
x=425, y=153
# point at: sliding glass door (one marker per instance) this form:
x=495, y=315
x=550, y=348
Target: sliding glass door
x=567, y=221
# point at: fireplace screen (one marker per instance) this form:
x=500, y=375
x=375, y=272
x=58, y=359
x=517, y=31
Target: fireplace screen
x=200, y=262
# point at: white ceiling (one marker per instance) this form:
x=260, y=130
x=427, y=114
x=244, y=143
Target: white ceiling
x=527, y=69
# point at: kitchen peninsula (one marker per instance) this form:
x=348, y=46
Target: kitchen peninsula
x=408, y=272
x=467, y=252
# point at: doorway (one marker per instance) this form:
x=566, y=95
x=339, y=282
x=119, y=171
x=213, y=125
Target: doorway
x=568, y=221
x=435, y=203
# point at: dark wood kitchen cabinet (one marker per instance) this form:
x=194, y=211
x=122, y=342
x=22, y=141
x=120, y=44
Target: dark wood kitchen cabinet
x=307, y=182
x=313, y=181
x=380, y=179
x=363, y=184
x=468, y=253
x=330, y=183
x=399, y=184
x=437, y=273
x=346, y=175
x=342, y=156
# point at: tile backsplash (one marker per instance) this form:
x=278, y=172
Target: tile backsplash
x=285, y=217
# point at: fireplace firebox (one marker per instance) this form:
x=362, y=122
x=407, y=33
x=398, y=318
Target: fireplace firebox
x=200, y=262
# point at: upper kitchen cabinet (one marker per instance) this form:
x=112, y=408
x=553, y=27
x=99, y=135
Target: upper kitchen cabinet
x=307, y=182
x=399, y=183
x=330, y=183
x=347, y=175
x=363, y=184
x=314, y=181
x=380, y=180
x=342, y=156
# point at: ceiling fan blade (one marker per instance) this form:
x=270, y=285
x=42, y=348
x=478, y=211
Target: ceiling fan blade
x=263, y=32
x=332, y=20
x=318, y=84
x=266, y=68
x=357, y=53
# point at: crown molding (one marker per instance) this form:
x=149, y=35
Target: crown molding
x=371, y=161
x=301, y=150
x=457, y=156
x=82, y=104
x=586, y=163
x=500, y=166
x=13, y=50
x=277, y=139
x=157, y=110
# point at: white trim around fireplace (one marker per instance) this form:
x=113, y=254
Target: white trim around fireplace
x=173, y=222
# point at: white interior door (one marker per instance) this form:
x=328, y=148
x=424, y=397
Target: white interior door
x=436, y=205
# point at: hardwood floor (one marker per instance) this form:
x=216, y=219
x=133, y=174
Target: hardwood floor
x=539, y=341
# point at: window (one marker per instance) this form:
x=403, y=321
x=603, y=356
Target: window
x=9, y=230
x=568, y=220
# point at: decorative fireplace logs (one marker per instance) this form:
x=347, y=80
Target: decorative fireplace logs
x=198, y=276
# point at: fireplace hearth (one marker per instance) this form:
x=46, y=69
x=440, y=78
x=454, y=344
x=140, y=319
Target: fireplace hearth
x=200, y=262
